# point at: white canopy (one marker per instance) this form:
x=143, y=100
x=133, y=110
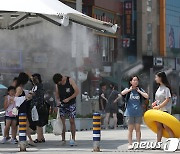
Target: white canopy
x=55, y=11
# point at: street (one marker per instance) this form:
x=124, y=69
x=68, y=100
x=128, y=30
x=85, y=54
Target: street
x=69, y=59
x=111, y=139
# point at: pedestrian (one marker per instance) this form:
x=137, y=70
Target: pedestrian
x=111, y=96
x=174, y=100
x=134, y=96
x=66, y=93
x=10, y=118
x=50, y=99
x=42, y=107
x=14, y=83
x=163, y=102
x=22, y=105
x=102, y=102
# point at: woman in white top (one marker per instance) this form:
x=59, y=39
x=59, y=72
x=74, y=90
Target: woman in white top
x=163, y=102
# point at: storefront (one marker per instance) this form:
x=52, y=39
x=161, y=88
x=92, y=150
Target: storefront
x=104, y=52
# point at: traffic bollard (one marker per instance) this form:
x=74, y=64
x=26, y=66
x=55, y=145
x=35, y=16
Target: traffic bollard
x=96, y=132
x=22, y=131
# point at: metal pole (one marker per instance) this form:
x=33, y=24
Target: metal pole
x=151, y=85
x=96, y=132
x=22, y=131
x=78, y=55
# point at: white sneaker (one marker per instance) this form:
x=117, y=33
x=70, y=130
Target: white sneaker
x=72, y=143
x=8, y=138
x=4, y=140
x=130, y=147
x=14, y=141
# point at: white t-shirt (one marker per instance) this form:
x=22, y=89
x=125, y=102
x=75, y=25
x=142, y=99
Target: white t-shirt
x=162, y=94
x=10, y=108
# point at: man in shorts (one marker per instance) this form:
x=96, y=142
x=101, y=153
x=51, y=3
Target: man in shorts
x=66, y=93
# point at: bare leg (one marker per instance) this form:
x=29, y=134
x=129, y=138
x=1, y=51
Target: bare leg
x=14, y=128
x=130, y=132
x=170, y=132
x=73, y=128
x=7, y=127
x=159, y=131
x=138, y=132
x=40, y=135
x=107, y=120
x=28, y=132
x=115, y=120
x=64, y=128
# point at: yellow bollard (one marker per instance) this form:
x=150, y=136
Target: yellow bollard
x=22, y=131
x=96, y=132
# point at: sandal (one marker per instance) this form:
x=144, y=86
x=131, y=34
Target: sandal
x=41, y=141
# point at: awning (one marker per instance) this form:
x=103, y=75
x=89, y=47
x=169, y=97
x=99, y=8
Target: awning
x=2, y=87
x=54, y=11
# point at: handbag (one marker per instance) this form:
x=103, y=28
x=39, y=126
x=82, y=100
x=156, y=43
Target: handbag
x=34, y=114
x=15, y=111
x=58, y=126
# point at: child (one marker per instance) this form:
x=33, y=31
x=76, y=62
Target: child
x=163, y=102
x=134, y=110
x=10, y=118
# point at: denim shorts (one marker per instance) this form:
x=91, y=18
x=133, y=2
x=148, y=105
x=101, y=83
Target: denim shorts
x=134, y=120
x=10, y=118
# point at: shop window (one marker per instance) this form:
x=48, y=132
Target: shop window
x=106, y=47
x=149, y=5
x=149, y=38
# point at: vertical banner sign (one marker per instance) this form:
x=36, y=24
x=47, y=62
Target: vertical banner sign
x=128, y=17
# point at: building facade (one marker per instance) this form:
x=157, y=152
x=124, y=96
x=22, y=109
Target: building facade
x=173, y=28
x=148, y=25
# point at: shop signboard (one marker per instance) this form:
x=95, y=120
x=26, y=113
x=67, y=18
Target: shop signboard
x=10, y=60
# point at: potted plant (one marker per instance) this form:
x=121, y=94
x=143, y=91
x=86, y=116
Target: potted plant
x=176, y=112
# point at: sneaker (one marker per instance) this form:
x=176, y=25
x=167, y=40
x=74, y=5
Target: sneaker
x=63, y=143
x=4, y=140
x=72, y=143
x=130, y=147
x=14, y=141
x=8, y=138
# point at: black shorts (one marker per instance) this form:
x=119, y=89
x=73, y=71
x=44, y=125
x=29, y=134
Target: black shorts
x=111, y=108
x=10, y=118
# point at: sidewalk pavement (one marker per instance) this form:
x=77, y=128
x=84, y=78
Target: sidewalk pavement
x=111, y=139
